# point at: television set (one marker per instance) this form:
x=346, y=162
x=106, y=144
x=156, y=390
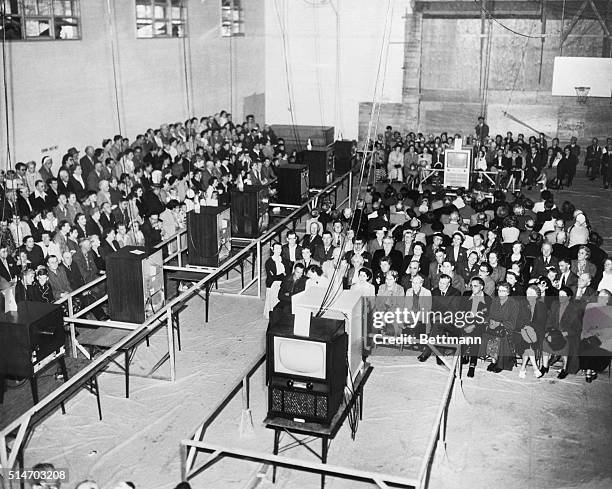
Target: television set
x=457, y=160
x=306, y=375
x=300, y=358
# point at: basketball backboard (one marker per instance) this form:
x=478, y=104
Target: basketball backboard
x=570, y=72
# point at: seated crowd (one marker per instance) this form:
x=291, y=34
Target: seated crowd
x=510, y=163
x=58, y=225
x=532, y=268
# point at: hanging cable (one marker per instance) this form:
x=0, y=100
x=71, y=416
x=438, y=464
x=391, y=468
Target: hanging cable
x=490, y=15
x=519, y=68
x=185, y=71
x=231, y=69
x=9, y=162
x=484, y=105
x=330, y=295
x=338, y=115
x=111, y=30
x=317, y=59
x=281, y=26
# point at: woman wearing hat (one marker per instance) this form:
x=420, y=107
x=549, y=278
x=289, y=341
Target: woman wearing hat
x=563, y=329
x=532, y=322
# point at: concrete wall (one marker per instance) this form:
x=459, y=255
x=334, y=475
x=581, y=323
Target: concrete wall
x=62, y=94
x=311, y=41
x=442, y=80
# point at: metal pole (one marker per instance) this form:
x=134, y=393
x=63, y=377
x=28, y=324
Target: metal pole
x=72, y=331
x=258, y=270
x=170, y=330
x=178, y=250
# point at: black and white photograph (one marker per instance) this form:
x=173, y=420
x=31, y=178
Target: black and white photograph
x=305, y=244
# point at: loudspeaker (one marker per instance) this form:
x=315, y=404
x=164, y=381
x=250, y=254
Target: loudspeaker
x=320, y=164
x=292, y=184
x=249, y=211
x=209, y=236
x=135, y=284
x=306, y=375
x=28, y=336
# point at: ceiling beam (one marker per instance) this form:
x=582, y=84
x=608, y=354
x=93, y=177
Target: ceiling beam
x=504, y=9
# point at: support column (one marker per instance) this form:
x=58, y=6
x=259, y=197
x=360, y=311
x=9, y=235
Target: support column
x=411, y=91
x=607, y=41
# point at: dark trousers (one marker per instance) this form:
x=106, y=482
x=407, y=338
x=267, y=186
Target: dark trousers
x=442, y=329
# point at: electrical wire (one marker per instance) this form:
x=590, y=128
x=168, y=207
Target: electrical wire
x=519, y=68
x=282, y=28
x=328, y=298
x=490, y=15
x=111, y=12
x=317, y=58
x=338, y=112
x=185, y=71
x=9, y=162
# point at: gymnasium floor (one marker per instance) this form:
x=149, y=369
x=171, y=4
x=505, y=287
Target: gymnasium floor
x=502, y=431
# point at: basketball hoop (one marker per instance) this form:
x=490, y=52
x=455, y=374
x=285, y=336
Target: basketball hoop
x=582, y=94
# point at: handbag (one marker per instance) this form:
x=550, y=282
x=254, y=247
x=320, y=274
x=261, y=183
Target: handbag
x=528, y=334
x=555, y=338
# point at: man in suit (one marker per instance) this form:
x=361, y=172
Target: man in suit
x=592, y=160
x=255, y=175
x=8, y=267
x=60, y=285
x=324, y=252
x=86, y=261
x=457, y=281
x=481, y=129
x=435, y=268
x=395, y=257
x=88, y=162
x=359, y=249
x=94, y=177
x=121, y=212
x=109, y=244
x=151, y=230
x=293, y=284
x=567, y=277
x=79, y=184
x=445, y=298
x=292, y=251
x=542, y=262
x=71, y=269
x=412, y=270
x=38, y=198
x=306, y=258
x=377, y=243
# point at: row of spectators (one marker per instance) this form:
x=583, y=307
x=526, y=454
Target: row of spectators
x=458, y=251
x=513, y=162
x=57, y=225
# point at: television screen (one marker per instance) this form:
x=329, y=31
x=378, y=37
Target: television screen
x=457, y=159
x=303, y=358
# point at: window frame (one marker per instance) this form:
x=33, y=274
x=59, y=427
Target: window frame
x=52, y=18
x=169, y=20
x=234, y=7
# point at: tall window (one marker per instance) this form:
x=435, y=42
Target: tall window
x=160, y=18
x=41, y=19
x=232, y=18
